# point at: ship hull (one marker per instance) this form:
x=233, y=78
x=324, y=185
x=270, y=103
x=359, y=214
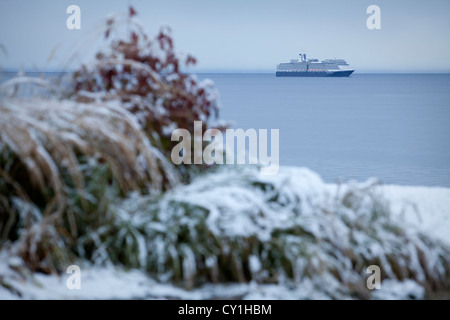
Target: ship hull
x=343, y=73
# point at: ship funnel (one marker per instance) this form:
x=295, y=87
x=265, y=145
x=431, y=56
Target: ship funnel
x=302, y=56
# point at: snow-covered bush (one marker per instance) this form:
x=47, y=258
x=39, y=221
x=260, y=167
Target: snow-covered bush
x=68, y=148
x=61, y=163
x=146, y=75
x=235, y=225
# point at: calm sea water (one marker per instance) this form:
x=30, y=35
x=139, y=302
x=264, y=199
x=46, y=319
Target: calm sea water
x=393, y=127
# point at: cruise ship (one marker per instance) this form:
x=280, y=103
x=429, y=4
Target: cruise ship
x=313, y=68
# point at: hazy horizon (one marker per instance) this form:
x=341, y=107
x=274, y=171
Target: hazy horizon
x=199, y=71
x=241, y=37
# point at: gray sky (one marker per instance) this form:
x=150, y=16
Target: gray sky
x=244, y=35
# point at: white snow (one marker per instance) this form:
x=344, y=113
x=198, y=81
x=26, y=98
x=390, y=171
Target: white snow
x=394, y=290
x=425, y=208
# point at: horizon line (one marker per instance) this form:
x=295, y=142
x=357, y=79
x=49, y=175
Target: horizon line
x=229, y=71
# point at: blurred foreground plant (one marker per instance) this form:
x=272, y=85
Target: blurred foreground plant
x=234, y=225
x=61, y=163
x=146, y=76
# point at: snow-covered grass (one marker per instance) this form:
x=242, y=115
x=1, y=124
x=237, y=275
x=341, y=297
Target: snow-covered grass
x=234, y=233
x=117, y=283
x=61, y=163
x=235, y=225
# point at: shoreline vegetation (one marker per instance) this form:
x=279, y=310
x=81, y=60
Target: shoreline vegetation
x=86, y=179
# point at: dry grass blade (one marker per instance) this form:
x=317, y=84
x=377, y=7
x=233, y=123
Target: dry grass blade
x=46, y=133
x=46, y=146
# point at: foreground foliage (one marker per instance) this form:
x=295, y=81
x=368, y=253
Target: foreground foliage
x=235, y=225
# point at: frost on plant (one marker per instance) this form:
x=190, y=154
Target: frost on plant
x=61, y=163
x=236, y=226
x=146, y=75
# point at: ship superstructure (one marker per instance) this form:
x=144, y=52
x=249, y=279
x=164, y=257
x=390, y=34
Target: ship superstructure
x=304, y=67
